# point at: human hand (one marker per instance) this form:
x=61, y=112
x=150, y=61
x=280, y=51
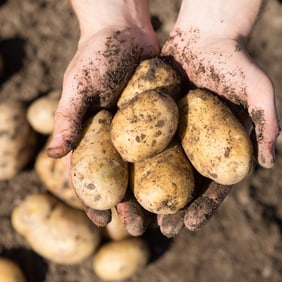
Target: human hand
x=211, y=55
x=109, y=49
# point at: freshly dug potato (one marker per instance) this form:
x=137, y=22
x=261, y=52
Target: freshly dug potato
x=54, y=230
x=119, y=260
x=214, y=140
x=10, y=271
x=151, y=74
x=17, y=139
x=115, y=230
x=40, y=114
x=54, y=176
x=145, y=126
x=99, y=174
x=164, y=183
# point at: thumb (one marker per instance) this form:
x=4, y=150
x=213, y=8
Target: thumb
x=67, y=124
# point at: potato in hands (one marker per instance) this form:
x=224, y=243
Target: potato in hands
x=164, y=183
x=145, y=126
x=99, y=174
x=210, y=140
x=214, y=140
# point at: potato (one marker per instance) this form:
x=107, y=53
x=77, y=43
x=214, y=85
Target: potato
x=119, y=260
x=54, y=230
x=17, y=139
x=213, y=139
x=145, y=126
x=115, y=230
x=40, y=114
x=54, y=176
x=151, y=74
x=99, y=174
x=10, y=271
x=164, y=183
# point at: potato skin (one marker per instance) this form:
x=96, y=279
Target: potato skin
x=119, y=260
x=99, y=174
x=115, y=230
x=40, y=114
x=145, y=126
x=151, y=74
x=54, y=230
x=54, y=176
x=17, y=139
x=10, y=271
x=214, y=140
x=164, y=183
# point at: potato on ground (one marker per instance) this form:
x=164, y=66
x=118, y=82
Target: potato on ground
x=120, y=260
x=115, y=230
x=40, y=114
x=151, y=74
x=10, y=271
x=54, y=230
x=53, y=174
x=214, y=140
x=164, y=183
x=145, y=126
x=99, y=174
x=17, y=139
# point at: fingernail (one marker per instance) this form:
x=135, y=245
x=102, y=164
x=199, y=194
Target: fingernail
x=267, y=161
x=56, y=147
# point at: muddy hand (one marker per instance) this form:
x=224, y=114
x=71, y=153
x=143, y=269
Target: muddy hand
x=207, y=43
x=114, y=37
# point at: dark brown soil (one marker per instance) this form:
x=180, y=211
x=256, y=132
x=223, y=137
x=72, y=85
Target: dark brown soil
x=243, y=240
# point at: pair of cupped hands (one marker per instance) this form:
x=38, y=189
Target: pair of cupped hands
x=104, y=62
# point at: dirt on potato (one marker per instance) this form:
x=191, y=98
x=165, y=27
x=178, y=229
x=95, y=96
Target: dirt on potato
x=242, y=242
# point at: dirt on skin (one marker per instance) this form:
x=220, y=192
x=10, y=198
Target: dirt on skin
x=242, y=242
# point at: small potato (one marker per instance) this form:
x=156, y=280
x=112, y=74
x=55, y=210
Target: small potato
x=17, y=139
x=151, y=74
x=164, y=183
x=145, y=126
x=120, y=260
x=115, y=230
x=214, y=140
x=53, y=174
x=54, y=230
x=99, y=174
x=40, y=114
x=10, y=271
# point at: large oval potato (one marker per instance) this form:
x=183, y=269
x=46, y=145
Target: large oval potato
x=145, y=126
x=99, y=174
x=53, y=174
x=17, y=139
x=54, y=230
x=164, y=183
x=151, y=74
x=10, y=271
x=119, y=260
x=214, y=140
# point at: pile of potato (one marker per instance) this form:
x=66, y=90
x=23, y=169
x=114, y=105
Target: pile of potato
x=152, y=144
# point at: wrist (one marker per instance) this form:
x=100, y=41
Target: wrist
x=96, y=15
x=219, y=18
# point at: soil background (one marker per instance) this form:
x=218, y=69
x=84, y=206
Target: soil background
x=242, y=242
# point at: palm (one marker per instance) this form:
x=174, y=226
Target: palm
x=224, y=67
x=95, y=77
